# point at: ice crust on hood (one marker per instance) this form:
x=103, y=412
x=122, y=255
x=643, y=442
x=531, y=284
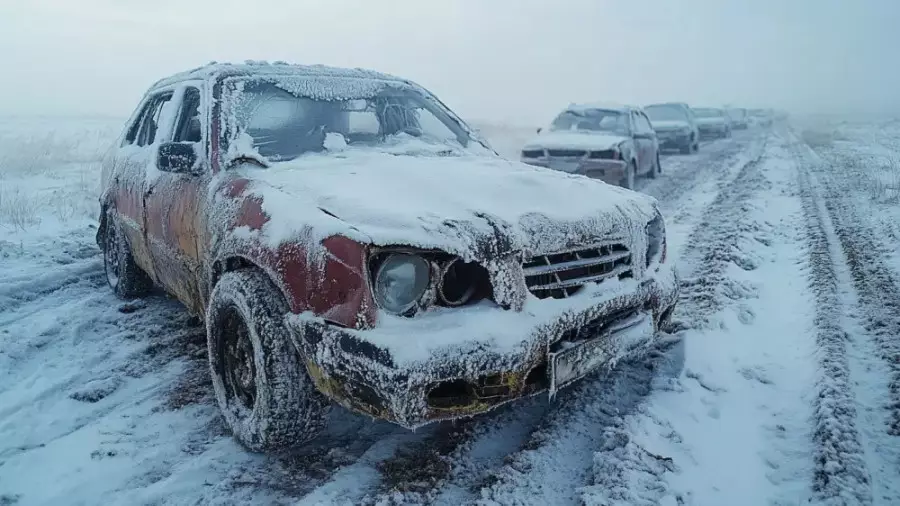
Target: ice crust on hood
x=575, y=140
x=443, y=202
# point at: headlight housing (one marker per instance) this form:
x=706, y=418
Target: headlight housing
x=405, y=281
x=656, y=239
x=400, y=282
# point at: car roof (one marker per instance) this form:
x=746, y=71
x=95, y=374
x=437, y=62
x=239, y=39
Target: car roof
x=606, y=106
x=215, y=71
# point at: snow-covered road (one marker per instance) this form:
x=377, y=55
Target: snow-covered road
x=780, y=386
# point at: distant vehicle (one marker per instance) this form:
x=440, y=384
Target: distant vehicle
x=613, y=143
x=761, y=117
x=713, y=123
x=675, y=126
x=738, y=117
x=347, y=238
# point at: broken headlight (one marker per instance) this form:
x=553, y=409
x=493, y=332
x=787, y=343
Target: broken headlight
x=406, y=280
x=656, y=240
x=400, y=281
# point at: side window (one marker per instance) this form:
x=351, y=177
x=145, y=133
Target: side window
x=636, y=123
x=188, y=128
x=645, y=122
x=135, y=127
x=150, y=123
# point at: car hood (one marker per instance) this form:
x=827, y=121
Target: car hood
x=477, y=207
x=575, y=140
x=670, y=125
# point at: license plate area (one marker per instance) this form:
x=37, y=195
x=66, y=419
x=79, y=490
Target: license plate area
x=622, y=334
x=565, y=165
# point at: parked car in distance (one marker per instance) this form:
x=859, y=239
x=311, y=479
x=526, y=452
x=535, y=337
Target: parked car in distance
x=738, y=117
x=675, y=126
x=347, y=238
x=610, y=142
x=712, y=122
x=762, y=117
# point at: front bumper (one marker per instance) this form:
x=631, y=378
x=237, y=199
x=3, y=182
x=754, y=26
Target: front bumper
x=493, y=355
x=673, y=140
x=608, y=171
x=713, y=130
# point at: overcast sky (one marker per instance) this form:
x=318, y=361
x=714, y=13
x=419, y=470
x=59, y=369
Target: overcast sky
x=506, y=60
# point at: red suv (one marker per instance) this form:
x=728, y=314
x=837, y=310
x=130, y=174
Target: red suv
x=347, y=238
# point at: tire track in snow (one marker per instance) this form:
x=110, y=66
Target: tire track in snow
x=713, y=245
x=875, y=305
x=840, y=469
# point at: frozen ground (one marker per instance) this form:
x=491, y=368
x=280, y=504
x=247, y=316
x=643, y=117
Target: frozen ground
x=781, y=385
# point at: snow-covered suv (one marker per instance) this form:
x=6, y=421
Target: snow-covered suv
x=346, y=237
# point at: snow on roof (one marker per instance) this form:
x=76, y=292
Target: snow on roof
x=214, y=70
x=608, y=106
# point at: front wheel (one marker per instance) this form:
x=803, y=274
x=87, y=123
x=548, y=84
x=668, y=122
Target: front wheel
x=628, y=180
x=261, y=383
x=656, y=169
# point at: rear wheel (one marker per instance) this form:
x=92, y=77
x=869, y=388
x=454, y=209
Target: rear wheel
x=123, y=275
x=261, y=383
x=688, y=148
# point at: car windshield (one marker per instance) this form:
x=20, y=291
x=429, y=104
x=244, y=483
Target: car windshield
x=591, y=120
x=707, y=113
x=286, y=124
x=665, y=113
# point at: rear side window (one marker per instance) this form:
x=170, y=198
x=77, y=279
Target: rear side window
x=150, y=122
x=189, y=124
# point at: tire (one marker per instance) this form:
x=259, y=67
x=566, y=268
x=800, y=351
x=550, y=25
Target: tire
x=268, y=408
x=656, y=169
x=687, y=148
x=123, y=275
x=628, y=180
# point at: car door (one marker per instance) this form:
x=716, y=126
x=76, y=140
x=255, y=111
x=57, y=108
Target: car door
x=644, y=138
x=129, y=174
x=652, y=141
x=172, y=201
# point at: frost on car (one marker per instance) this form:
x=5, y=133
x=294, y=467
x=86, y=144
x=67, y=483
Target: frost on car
x=713, y=122
x=675, y=126
x=347, y=238
x=613, y=143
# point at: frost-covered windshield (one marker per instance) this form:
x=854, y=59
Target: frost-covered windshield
x=286, y=124
x=592, y=120
x=708, y=113
x=665, y=113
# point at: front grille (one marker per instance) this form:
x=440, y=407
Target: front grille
x=607, y=154
x=566, y=153
x=561, y=274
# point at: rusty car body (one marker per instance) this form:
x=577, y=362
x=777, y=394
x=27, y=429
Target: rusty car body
x=414, y=277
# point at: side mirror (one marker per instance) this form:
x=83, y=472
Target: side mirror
x=177, y=157
x=539, y=130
